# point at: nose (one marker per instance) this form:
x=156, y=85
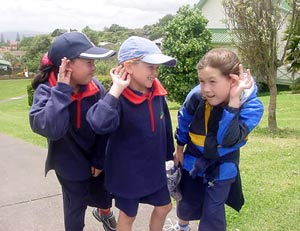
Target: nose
x=205, y=88
x=93, y=66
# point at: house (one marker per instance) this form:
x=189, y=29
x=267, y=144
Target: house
x=213, y=10
x=5, y=67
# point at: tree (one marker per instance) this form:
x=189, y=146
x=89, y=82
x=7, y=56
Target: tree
x=292, y=34
x=18, y=37
x=35, y=48
x=155, y=31
x=58, y=32
x=185, y=38
x=255, y=26
x=93, y=35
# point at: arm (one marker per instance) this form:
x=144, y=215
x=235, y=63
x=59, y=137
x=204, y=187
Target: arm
x=104, y=116
x=169, y=133
x=185, y=117
x=242, y=114
x=236, y=124
x=49, y=114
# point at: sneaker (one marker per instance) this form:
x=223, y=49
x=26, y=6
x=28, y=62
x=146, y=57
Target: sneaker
x=169, y=226
x=109, y=222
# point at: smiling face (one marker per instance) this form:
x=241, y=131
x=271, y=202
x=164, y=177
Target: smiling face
x=215, y=87
x=142, y=75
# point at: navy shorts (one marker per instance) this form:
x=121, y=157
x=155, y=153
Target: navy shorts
x=198, y=200
x=130, y=206
x=190, y=206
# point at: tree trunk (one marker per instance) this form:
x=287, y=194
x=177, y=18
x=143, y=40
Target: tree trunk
x=272, y=123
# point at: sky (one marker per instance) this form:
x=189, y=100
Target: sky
x=48, y=15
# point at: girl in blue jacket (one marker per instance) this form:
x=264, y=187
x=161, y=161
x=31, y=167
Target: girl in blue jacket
x=136, y=115
x=64, y=91
x=213, y=124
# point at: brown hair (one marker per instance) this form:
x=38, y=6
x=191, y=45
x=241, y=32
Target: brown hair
x=220, y=58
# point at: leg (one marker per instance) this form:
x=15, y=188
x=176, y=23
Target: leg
x=158, y=217
x=100, y=198
x=75, y=199
x=124, y=222
x=213, y=213
x=128, y=209
x=190, y=206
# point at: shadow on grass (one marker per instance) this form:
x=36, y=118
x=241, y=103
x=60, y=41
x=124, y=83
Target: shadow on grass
x=280, y=133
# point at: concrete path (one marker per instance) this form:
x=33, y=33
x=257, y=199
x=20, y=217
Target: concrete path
x=31, y=202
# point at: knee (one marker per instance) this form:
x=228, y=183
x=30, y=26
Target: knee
x=163, y=210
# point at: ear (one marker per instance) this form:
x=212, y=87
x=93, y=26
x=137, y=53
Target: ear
x=128, y=67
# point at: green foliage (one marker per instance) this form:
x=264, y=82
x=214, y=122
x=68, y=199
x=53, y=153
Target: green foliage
x=186, y=39
x=292, y=35
x=103, y=66
x=15, y=61
x=92, y=34
x=155, y=31
x=30, y=92
x=295, y=86
x=106, y=82
x=58, y=32
x=35, y=48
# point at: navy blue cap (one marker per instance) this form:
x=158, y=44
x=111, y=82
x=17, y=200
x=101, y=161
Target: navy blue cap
x=75, y=45
x=138, y=47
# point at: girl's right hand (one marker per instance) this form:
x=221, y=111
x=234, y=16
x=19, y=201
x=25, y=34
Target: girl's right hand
x=121, y=80
x=64, y=75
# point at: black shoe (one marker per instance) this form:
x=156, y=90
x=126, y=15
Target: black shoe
x=109, y=222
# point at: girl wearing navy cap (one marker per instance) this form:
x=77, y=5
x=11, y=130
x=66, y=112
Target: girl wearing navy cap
x=64, y=91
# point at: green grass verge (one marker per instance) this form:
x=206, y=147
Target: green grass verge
x=270, y=163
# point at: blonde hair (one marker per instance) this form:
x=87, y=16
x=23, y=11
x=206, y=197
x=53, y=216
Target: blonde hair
x=222, y=59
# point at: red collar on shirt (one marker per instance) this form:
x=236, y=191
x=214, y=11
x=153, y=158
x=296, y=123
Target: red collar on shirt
x=158, y=90
x=90, y=89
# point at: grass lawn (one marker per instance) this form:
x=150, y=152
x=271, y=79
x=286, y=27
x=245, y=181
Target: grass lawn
x=270, y=163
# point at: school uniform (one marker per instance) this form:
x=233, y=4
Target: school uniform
x=213, y=137
x=73, y=147
x=140, y=142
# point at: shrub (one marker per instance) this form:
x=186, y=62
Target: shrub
x=106, y=82
x=295, y=86
x=30, y=92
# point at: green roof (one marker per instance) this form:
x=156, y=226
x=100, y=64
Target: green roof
x=220, y=35
x=4, y=63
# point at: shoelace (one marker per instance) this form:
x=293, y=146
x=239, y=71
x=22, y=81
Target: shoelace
x=170, y=226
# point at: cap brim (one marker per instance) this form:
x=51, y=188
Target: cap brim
x=159, y=59
x=97, y=53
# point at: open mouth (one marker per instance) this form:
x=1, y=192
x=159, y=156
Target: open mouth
x=209, y=96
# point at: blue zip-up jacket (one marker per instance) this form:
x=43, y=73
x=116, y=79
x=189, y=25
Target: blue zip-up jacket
x=213, y=135
x=59, y=115
x=140, y=140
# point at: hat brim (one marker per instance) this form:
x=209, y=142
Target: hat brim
x=97, y=53
x=159, y=59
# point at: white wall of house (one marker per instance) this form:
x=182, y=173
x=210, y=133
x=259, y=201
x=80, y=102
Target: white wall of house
x=214, y=12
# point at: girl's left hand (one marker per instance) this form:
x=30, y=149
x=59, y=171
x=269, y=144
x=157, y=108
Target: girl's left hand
x=95, y=172
x=239, y=83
